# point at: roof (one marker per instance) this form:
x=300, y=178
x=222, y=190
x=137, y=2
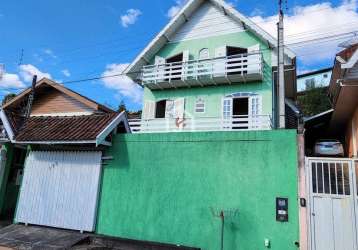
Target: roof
x=161, y=39
x=352, y=61
x=317, y=126
x=81, y=129
x=316, y=72
x=44, y=81
x=349, y=43
x=319, y=116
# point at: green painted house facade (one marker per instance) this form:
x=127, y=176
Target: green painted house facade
x=212, y=96
x=213, y=71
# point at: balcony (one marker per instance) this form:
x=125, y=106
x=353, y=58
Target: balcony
x=235, y=123
x=225, y=70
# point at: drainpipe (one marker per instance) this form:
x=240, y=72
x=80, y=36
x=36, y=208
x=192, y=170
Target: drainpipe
x=354, y=138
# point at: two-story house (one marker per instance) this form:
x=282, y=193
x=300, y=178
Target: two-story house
x=210, y=69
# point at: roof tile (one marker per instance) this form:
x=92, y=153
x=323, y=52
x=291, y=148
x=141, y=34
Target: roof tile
x=71, y=128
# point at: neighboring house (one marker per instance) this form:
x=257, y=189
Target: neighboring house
x=343, y=91
x=54, y=156
x=210, y=69
x=210, y=73
x=330, y=183
x=315, y=79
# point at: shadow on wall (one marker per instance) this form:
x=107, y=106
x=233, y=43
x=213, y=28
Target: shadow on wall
x=121, y=158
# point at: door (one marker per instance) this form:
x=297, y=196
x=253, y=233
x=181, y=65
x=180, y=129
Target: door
x=220, y=62
x=148, y=110
x=240, y=113
x=179, y=112
x=185, y=66
x=255, y=112
x=160, y=68
x=332, y=212
x=60, y=189
x=170, y=109
x=227, y=113
x=253, y=59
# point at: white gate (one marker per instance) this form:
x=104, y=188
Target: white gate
x=60, y=189
x=332, y=203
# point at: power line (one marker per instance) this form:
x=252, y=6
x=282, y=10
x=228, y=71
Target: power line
x=137, y=34
x=126, y=51
x=296, y=44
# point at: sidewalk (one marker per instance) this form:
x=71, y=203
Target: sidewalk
x=21, y=237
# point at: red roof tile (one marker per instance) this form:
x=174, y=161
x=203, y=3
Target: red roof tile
x=72, y=128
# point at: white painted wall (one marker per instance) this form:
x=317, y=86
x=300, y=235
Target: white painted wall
x=207, y=21
x=321, y=80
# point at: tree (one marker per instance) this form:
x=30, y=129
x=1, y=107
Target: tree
x=8, y=98
x=122, y=107
x=314, y=101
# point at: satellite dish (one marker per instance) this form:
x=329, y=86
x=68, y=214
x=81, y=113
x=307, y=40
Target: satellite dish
x=2, y=70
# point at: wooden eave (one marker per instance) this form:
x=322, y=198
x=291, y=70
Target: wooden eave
x=92, y=104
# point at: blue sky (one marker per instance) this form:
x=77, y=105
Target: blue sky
x=70, y=40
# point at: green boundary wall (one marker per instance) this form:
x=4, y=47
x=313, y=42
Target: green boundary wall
x=161, y=187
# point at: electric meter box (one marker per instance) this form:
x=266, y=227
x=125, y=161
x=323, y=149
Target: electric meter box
x=282, y=209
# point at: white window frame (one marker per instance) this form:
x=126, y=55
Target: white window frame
x=200, y=100
x=254, y=106
x=201, y=53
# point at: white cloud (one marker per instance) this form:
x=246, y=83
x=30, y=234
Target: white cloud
x=123, y=84
x=176, y=8
x=311, y=22
x=11, y=81
x=130, y=18
x=232, y=3
x=38, y=57
x=50, y=53
x=66, y=72
x=27, y=71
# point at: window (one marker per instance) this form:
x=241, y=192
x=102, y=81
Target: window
x=227, y=108
x=310, y=83
x=325, y=76
x=160, y=109
x=330, y=178
x=204, y=54
x=200, y=105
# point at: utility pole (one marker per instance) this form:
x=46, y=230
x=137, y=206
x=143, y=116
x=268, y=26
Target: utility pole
x=31, y=97
x=280, y=98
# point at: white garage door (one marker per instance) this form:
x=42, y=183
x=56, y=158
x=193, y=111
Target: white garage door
x=60, y=189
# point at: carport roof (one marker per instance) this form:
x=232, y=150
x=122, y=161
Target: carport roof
x=64, y=128
x=91, y=129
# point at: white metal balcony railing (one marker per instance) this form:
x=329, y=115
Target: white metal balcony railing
x=234, y=123
x=223, y=70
